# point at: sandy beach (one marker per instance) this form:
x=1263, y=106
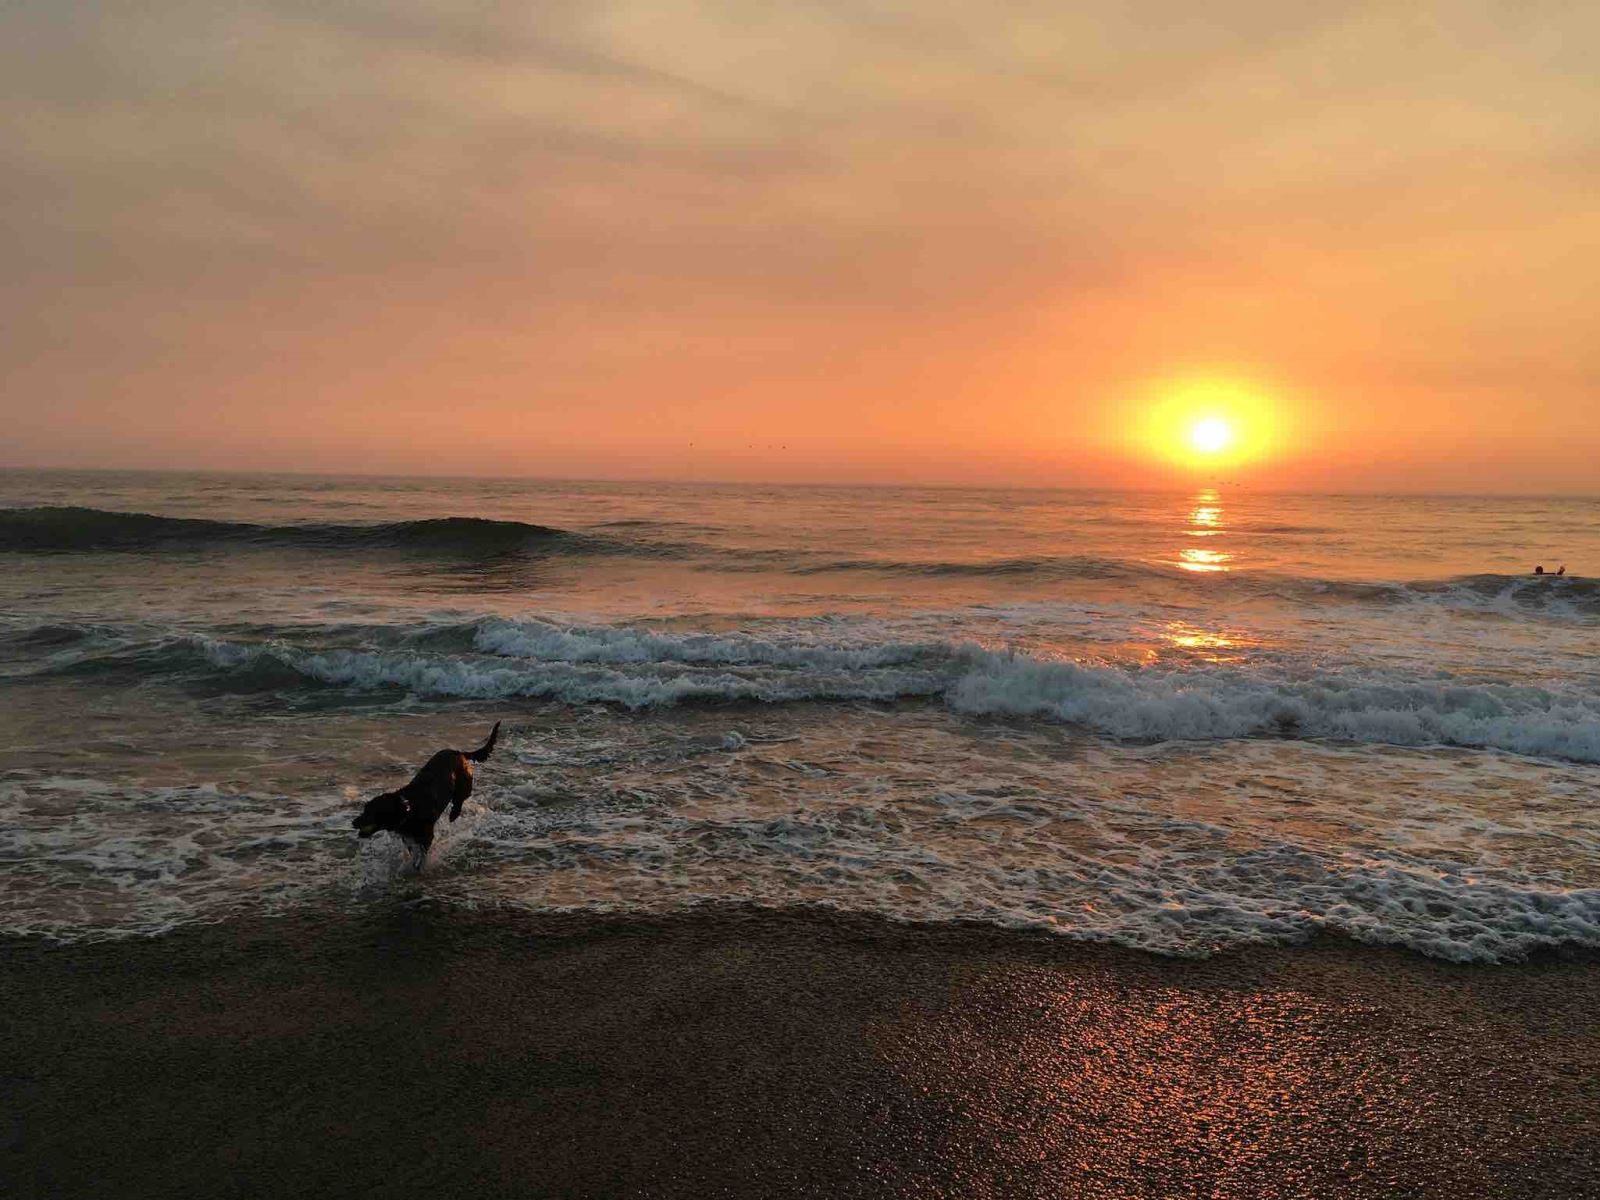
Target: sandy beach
x=413, y=1050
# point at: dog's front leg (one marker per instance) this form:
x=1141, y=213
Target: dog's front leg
x=424, y=844
x=417, y=850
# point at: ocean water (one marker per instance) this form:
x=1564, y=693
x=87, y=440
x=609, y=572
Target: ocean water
x=1183, y=722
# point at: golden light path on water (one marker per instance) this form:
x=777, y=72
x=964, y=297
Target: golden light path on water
x=1187, y=637
x=1203, y=560
x=1205, y=520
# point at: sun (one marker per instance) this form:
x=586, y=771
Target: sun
x=1208, y=422
x=1211, y=435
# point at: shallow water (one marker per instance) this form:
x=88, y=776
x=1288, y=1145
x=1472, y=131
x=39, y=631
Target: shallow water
x=1174, y=721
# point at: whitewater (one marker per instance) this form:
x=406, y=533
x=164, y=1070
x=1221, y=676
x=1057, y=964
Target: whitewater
x=1185, y=722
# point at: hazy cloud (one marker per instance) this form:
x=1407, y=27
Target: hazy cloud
x=234, y=198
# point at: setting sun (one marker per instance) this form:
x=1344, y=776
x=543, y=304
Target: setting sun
x=1211, y=435
x=1206, y=423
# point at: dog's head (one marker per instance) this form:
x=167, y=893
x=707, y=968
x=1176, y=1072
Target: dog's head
x=387, y=811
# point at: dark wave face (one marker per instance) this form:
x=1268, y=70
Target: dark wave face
x=74, y=530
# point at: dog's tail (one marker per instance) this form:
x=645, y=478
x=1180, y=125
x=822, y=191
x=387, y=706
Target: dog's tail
x=481, y=754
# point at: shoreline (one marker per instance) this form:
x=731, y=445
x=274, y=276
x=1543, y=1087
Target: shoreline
x=417, y=1049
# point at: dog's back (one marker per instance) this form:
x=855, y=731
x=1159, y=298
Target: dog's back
x=446, y=779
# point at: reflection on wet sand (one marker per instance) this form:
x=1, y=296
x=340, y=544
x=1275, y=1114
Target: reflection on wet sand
x=1320, y=1075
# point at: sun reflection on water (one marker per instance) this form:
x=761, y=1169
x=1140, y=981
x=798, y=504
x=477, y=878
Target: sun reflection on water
x=1205, y=520
x=1201, y=644
x=1203, y=560
x=1179, y=635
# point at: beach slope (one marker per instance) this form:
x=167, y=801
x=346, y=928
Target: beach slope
x=409, y=1050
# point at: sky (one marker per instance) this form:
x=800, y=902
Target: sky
x=961, y=242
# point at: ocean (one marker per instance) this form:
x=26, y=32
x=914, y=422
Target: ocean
x=1180, y=722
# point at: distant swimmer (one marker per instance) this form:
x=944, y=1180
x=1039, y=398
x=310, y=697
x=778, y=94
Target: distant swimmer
x=1539, y=570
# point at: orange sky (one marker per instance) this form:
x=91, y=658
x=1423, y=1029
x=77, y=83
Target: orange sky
x=961, y=243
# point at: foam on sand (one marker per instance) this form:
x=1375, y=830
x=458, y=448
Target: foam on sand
x=1179, y=849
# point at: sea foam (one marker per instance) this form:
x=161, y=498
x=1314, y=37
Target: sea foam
x=1274, y=697
x=1178, y=848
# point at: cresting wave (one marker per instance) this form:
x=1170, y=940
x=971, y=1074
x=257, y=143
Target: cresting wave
x=643, y=667
x=63, y=530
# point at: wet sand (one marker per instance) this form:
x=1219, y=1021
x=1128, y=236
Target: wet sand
x=402, y=1051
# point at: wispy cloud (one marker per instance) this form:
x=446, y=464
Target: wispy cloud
x=203, y=192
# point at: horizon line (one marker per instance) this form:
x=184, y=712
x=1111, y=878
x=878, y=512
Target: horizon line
x=874, y=485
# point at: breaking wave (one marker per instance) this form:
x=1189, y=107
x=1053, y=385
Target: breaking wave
x=642, y=667
x=1509, y=595
x=1235, y=702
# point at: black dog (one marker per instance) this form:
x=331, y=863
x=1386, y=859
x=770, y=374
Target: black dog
x=446, y=781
